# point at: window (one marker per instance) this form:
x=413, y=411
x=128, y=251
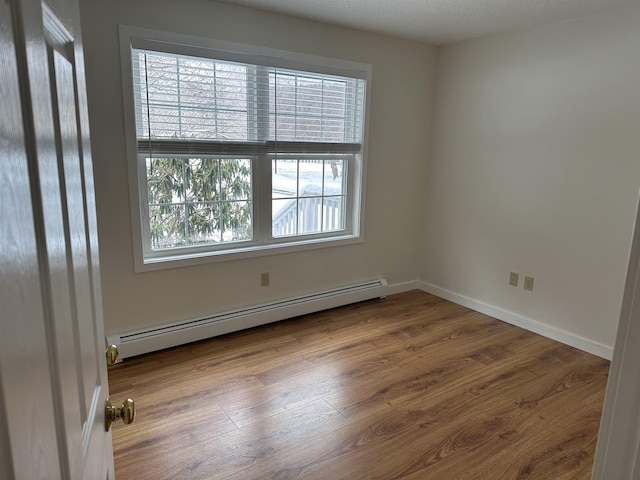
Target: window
x=238, y=150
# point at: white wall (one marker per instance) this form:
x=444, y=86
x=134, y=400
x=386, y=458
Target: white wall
x=535, y=169
x=402, y=73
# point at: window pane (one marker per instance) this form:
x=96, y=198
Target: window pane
x=231, y=87
x=333, y=214
x=319, y=205
x=333, y=129
x=284, y=217
x=315, y=108
x=165, y=180
x=334, y=178
x=309, y=98
x=308, y=129
x=285, y=128
x=179, y=96
x=231, y=125
x=194, y=201
x=282, y=94
x=311, y=178
x=198, y=73
x=334, y=98
x=203, y=179
x=235, y=179
x=192, y=122
x=236, y=221
x=310, y=215
x=167, y=226
x=204, y=222
x=284, y=178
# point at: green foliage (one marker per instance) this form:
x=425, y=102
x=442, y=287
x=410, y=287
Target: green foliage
x=198, y=201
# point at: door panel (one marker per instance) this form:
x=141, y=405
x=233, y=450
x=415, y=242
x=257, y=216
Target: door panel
x=27, y=427
x=57, y=172
x=85, y=436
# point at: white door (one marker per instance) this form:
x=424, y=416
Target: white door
x=53, y=379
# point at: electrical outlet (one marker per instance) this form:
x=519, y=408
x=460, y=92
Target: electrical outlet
x=528, y=283
x=264, y=279
x=513, y=279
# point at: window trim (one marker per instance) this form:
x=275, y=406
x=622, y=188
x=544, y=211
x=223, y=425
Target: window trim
x=189, y=45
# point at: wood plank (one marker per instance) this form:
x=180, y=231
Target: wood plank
x=408, y=387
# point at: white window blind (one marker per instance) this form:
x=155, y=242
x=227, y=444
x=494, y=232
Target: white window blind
x=231, y=105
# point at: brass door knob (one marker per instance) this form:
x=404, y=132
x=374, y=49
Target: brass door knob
x=126, y=411
x=112, y=355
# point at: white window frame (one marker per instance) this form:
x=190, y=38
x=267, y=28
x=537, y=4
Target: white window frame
x=144, y=260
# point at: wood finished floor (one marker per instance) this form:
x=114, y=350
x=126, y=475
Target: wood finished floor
x=409, y=387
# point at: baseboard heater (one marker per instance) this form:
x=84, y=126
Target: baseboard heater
x=152, y=339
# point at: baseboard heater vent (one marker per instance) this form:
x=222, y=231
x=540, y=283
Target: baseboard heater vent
x=153, y=339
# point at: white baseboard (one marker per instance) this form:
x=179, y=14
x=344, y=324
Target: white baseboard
x=404, y=287
x=521, y=321
x=159, y=337
x=165, y=336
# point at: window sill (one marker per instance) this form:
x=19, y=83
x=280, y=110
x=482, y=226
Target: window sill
x=192, y=259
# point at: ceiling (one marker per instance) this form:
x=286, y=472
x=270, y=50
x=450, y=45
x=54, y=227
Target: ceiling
x=434, y=21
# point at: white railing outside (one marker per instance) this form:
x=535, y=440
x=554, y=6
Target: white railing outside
x=314, y=214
